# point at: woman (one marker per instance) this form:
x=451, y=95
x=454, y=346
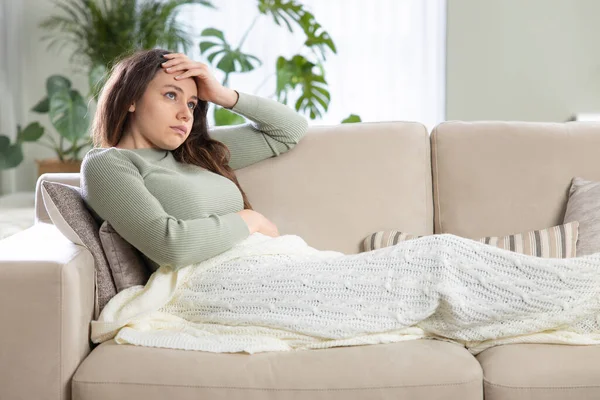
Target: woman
x=169, y=189
x=163, y=182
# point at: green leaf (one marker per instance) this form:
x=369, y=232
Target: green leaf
x=57, y=83
x=31, y=133
x=290, y=11
x=225, y=117
x=315, y=35
x=14, y=155
x=298, y=71
x=43, y=106
x=353, y=118
x=231, y=60
x=11, y=155
x=69, y=114
x=204, y=46
x=101, y=31
x=279, y=9
x=4, y=143
x=213, y=32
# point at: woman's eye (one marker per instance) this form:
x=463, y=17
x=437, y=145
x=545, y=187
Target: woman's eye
x=192, y=105
x=171, y=94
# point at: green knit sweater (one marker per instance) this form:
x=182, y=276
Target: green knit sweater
x=180, y=214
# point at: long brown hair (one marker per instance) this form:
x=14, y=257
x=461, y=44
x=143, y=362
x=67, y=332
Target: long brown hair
x=126, y=84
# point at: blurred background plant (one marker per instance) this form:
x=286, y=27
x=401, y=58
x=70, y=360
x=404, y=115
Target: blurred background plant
x=68, y=112
x=305, y=72
x=99, y=32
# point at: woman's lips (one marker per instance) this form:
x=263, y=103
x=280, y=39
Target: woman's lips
x=178, y=130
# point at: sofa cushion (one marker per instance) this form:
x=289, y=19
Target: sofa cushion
x=584, y=206
x=555, y=242
x=504, y=177
x=127, y=265
x=70, y=215
x=541, y=371
x=415, y=369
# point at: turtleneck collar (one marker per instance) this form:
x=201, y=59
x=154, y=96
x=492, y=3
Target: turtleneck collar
x=149, y=153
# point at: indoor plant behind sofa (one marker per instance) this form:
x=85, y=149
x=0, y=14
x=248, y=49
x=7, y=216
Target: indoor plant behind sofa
x=486, y=179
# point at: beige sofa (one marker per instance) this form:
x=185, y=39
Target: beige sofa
x=338, y=185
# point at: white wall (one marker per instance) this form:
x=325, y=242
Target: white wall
x=530, y=60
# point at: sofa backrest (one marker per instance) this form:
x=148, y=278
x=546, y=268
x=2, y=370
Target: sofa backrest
x=499, y=178
x=338, y=185
x=341, y=183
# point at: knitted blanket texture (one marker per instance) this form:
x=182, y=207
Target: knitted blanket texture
x=279, y=294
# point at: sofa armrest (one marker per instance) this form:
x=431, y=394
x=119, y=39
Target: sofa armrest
x=46, y=305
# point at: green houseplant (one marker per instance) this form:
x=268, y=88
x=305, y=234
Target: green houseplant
x=68, y=113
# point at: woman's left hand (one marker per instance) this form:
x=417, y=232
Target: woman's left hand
x=209, y=89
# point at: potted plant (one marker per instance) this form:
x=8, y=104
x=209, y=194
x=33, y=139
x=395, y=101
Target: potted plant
x=69, y=116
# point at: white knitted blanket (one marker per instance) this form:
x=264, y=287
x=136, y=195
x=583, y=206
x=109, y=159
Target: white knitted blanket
x=279, y=294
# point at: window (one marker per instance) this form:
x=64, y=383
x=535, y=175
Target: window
x=390, y=61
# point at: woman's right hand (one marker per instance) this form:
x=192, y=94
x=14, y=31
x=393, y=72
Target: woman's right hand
x=258, y=223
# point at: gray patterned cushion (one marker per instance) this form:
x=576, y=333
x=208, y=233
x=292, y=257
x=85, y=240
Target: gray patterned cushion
x=126, y=263
x=584, y=206
x=70, y=215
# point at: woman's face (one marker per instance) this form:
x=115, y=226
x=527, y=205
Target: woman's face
x=164, y=115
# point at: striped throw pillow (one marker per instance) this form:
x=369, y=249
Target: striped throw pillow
x=555, y=242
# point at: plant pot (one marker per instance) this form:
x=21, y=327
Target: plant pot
x=54, y=165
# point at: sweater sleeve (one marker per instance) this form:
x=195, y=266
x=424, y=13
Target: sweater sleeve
x=275, y=129
x=114, y=189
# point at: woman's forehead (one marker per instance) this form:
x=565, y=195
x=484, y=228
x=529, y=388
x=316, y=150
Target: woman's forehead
x=162, y=79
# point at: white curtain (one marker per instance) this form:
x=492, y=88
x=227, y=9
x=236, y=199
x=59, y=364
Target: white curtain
x=390, y=61
x=10, y=80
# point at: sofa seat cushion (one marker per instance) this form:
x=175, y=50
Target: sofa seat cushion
x=541, y=371
x=428, y=369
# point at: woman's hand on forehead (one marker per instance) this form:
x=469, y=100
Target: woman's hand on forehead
x=209, y=88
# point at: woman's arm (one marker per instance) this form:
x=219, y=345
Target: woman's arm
x=275, y=127
x=274, y=130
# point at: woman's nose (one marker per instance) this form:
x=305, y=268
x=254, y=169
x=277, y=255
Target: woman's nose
x=185, y=113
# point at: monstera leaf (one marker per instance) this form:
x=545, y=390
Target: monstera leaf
x=54, y=84
x=315, y=97
x=231, y=60
x=315, y=35
x=69, y=114
x=282, y=10
x=290, y=11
